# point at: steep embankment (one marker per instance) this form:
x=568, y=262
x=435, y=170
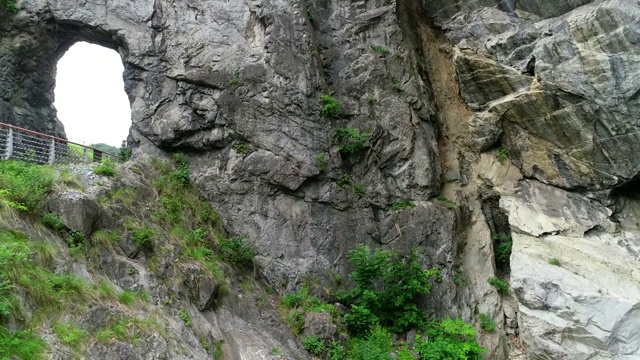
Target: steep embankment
x=132, y=265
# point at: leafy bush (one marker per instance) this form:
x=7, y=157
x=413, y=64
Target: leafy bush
x=330, y=105
x=344, y=180
x=502, y=245
x=305, y=301
x=449, y=339
x=554, y=261
x=313, y=345
x=401, y=204
x=321, y=162
x=242, y=147
x=378, y=345
x=53, y=222
x=295, y=320
x=238, y=252
x=25, y=185
x=181, y=174
x=398, y=88
x=388, y=290
x=351, y=141
x=106, y=167
x=487, y=323
x=125, y=152
x=501, y=286
x=142, y=236
x=10, y=6
x=186, y=318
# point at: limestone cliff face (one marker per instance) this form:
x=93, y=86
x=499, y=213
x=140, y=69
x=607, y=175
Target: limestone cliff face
x=237, y=85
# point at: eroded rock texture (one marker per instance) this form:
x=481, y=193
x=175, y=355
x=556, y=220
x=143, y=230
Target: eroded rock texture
x=236, y=85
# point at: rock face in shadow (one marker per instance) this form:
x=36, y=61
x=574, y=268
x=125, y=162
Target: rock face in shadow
x=437, y=87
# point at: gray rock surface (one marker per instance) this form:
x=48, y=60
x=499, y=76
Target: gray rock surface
x=552, y=85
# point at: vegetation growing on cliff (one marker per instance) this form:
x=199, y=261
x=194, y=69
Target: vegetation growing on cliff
x=9, y=5
x=384, y=300
x=37, y=295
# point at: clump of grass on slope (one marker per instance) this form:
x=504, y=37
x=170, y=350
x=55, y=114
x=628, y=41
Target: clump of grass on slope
x=25, y=184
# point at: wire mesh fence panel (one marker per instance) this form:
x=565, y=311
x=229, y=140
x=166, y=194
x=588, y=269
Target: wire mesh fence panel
x=25, y=145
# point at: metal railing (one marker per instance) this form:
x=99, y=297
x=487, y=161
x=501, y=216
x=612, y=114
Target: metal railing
x=22, y=144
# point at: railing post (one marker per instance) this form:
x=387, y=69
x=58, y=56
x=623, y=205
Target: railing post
x=86, y=156
x=52, y=151
x=8, y=151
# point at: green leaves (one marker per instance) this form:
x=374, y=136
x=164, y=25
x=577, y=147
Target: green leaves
x=388, y=290
x=449, y=339
x=351, y=141
x=330, y=105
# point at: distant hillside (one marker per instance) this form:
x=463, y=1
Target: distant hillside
x=106, y=148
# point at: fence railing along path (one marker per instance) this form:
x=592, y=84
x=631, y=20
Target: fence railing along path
x=17, y=143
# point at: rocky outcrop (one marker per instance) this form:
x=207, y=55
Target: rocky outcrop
x=440, y=87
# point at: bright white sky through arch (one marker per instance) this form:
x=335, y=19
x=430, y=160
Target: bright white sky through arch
x=90, y=96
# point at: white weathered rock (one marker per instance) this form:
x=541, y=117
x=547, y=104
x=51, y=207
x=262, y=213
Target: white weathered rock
x=588, y=307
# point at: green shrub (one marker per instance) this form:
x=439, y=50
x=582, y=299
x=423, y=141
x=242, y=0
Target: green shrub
x=235, y=79
x=351, y=141
x=398, y=88
x=25, y=185
x=242, y=147
x=378, y=345
x=23, y=345
x=313, y=345
x=501, y=155
x=388, y=290
x=358, y=190
x=75, y=238
x=302, y=299
x=181, y=176
x=449, y=339
x=53, y=222
x=335, y=351
x=321, y=162
x=295, y=320
x=217, y=349
x=276, y=351
x=502, y=245
x=186, y=318
x=487, y=323
x=380, y=49
x=142, y=236
x=330, y=105
x=9, y=6
x=344, y=180
x=125, y=152
x=554, y=261
x=238, y=252
x=501, y=286
x=401, y=204
x=106, y=167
